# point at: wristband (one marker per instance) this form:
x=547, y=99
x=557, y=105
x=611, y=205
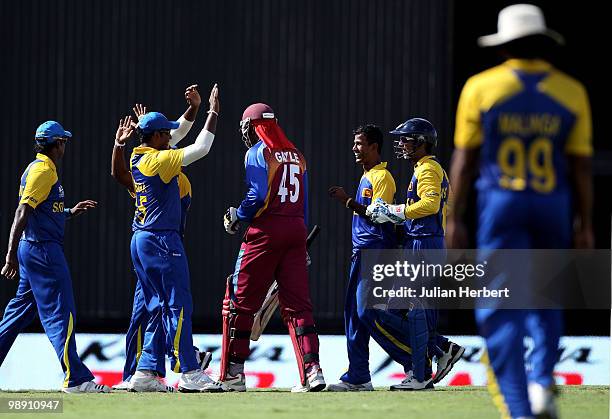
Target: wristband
x=118, y=144
x=67, y=211
x=213, y=111
x=348, y=201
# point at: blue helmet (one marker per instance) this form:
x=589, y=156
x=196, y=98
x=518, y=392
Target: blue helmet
x=415, y=129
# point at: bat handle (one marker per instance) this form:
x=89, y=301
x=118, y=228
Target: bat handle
x=313, y=234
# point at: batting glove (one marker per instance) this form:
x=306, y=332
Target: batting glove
x=380, y=212
x=230, y=220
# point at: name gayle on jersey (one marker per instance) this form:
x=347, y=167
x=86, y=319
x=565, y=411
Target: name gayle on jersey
x=439, y=292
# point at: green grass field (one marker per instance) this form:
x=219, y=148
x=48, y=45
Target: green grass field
x=590, y=402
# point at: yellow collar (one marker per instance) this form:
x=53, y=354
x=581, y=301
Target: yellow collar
x=47, y=160
x=422, y=159
x=143, y=150
x=380, y=166
x=530, y=66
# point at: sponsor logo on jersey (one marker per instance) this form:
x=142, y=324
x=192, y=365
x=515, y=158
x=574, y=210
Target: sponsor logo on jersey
x=58, y=207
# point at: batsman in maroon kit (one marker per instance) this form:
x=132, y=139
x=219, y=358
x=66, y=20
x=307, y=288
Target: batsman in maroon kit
x=274, y=247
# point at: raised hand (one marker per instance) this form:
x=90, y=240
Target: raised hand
x=124, y=130
x=213, y=100
x=139, y=110
x=193, y=96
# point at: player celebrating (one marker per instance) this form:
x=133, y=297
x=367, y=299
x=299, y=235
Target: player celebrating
x=158, y=254
x=35, y=252
x=274, y=246
x=119, y=170
x=424, y=220
x=361, y=322
x=527, y=126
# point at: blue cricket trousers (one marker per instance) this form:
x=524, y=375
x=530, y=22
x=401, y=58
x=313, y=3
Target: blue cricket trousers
x=45, y=286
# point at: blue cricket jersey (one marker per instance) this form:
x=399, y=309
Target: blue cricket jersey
x=40, y=188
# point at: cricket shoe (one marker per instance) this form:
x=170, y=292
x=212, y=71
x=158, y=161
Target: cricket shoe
x=87, y=387
x=448, y=360
x=346, y=386
x=235, y=383
x=542, y=400
x=148, y=382
x=198, y=381
x=410, y=383
x=314, y=381
x=122, y=386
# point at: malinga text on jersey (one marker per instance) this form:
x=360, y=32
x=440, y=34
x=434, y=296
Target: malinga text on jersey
x=526, y=116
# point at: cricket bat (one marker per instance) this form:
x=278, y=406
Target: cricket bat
x=262, y=317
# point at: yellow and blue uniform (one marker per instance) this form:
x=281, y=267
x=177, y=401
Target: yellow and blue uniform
x=526, y=117
x=424, y=228
x=375, y=183
x=140, y=315
x=361, y=322
x=45, y=284
x=426, y=202
x=160, y=261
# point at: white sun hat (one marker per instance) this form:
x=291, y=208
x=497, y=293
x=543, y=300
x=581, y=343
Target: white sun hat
x=518, y=21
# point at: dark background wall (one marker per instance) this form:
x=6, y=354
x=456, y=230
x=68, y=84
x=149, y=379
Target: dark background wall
x=324, y=66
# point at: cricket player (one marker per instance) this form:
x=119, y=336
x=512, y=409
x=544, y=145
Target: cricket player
x=35, y=252
x=121, y=173
x=158, y=253
x=424, y=220
x=526, y=126
x=362, y=322
x=274, y=247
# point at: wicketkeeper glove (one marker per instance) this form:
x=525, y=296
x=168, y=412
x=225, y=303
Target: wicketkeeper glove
x=230, y=220
x=380, y=212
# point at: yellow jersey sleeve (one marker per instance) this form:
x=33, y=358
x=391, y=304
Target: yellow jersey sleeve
x=38, y=184
x=580, y=141
x=184, y=185
x=572, y=95
x=170, y=163
x=480, y=93
x=383, y=186
x=468, y=131
x=429, y=190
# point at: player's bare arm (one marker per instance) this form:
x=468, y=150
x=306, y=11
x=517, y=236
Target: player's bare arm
x=462, y=171
x=119, y=169
x=205, y=138
x=11, y=265
x=338, y=193
x=582, y=182
x=213, y=110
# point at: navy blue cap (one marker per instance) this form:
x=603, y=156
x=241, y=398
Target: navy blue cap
x=49, y=131
x=155, y=121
